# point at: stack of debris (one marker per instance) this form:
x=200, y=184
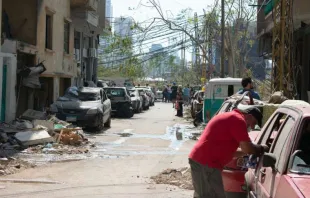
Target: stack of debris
x=34, y=128
x=177, y=177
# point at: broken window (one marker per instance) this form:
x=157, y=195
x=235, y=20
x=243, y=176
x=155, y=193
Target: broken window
x=66, y=37
x=48, y=32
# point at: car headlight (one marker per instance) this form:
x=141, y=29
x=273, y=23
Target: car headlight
x=54, y=108
x=92, y=111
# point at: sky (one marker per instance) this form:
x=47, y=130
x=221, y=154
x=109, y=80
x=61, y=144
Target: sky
x=127, y=8
x=121, y=7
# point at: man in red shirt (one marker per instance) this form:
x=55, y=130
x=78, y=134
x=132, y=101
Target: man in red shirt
x=216, y=147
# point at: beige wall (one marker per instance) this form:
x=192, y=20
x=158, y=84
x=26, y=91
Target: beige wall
x=22, y=19
x=57, y=62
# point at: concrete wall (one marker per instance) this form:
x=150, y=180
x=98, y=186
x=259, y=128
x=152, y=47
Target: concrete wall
x=22, y=19
x=57, y=62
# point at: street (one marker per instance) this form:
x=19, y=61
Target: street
x=124, y=159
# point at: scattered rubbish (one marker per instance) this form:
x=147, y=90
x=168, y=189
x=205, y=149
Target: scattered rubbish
x=33, y=115
x=11, y=166
x=179, y=133
x=32, y=181
x=21, y=124
x=125, y=134
x=49, y=125
x=177, y=177
x=71, y=137
x=34, y=137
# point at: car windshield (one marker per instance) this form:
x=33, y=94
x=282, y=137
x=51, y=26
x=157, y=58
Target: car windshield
x=89, y=96
x=115, y=92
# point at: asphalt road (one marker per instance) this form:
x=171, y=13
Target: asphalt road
x=128, y=154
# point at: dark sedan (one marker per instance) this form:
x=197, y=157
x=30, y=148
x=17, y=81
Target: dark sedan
x=86, y=107
x=121, y=101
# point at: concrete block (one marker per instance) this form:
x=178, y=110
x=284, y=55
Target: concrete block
x=28, y=138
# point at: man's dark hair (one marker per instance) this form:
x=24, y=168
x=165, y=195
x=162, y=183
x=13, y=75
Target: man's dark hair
x=246, y=81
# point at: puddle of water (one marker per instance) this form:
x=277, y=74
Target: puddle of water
x=176, y=135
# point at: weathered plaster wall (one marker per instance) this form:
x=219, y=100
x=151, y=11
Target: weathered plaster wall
x=57, y=62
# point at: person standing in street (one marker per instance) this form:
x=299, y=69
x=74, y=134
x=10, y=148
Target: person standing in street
x=165, y=94
x=247, y=85
x=218, y=145
x=179, y=102
x=174, y=90
x=186, y=95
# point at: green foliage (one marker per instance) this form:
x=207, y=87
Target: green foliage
x=128, y=67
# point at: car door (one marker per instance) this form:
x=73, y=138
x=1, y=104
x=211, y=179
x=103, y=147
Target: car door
x=277, y=136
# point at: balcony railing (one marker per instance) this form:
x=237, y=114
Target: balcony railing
x=90, y=5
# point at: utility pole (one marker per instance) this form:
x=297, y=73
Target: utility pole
x=183, y=56
x=223, y=40
x=196, y=44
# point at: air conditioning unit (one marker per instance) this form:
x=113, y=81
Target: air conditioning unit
x=77, y=55
x=92, y=52
x=85, y=53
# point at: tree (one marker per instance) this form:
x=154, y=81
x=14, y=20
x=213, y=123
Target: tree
x=239, y=36
x=117, y=58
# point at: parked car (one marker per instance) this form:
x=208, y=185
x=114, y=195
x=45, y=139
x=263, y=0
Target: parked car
x=121, y=101
x=86, y=107
x=136, y=100
x=159, y=95
x=146, y=99
x=101, y=83
x=151, y=95
x=149, y=92
x=89, y=84
x=284, y=171
x=196, y=102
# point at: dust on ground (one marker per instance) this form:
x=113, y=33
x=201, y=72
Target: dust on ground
x=10, y=166
x=177, y=177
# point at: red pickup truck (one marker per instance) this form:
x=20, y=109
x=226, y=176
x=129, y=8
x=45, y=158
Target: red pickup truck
x=283, y=172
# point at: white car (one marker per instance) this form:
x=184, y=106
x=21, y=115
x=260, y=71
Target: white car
x=159, y=95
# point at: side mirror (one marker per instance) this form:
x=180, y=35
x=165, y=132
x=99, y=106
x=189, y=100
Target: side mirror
x=269, y=160
x=109, y=95
x=132, y=95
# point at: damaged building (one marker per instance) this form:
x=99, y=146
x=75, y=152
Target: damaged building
x=39, y=46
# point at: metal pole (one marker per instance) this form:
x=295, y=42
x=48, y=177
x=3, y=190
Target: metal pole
x=223, y=36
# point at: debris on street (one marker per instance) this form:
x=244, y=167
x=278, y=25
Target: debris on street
x=177, y=177
x=11, y=165
x=28, y=138
x=36, y=133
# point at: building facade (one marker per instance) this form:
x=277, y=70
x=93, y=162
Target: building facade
x=42, y=35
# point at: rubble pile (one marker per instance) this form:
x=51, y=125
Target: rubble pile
x=177, y=177
x=35, y=132
x=11, y=165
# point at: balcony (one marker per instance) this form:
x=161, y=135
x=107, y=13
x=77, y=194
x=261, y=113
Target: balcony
x=92, y=18
x=90, y=5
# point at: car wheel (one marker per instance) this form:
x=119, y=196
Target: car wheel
x=100, y=125
x=108, y=123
